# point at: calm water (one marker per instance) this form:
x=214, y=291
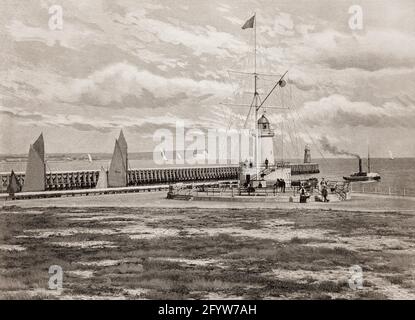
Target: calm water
x=397, y=174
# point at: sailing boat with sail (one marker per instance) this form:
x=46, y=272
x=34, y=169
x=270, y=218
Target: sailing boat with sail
x=391, y=157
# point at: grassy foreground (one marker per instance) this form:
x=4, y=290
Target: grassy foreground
x=167, y=253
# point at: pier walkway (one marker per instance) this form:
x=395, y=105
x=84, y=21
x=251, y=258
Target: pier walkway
x=93, y=192
x=87, y=179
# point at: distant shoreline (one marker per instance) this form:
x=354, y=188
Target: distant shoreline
x=148, y=156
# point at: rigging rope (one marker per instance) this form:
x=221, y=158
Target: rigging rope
x=308, y=134
x=294, y=124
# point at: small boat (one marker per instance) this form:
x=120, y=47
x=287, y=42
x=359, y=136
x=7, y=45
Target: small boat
x=362, y=175
x=89, y=158
x=391, y=157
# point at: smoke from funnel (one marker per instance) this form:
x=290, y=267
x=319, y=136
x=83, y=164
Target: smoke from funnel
x=334, y=150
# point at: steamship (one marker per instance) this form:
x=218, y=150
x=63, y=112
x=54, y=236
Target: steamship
x=363, y=176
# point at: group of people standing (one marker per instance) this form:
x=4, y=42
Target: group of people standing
x=305, y=187
x=279, y=186
x=322, y=188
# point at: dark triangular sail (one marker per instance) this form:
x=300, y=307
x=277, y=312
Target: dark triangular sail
x=123, y=145
x=14, y=185
x=124, y=150
x=39, y=146
x=35, y=172
x=117, y=174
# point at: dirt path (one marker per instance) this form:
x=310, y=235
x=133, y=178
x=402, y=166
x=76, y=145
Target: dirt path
x=359, y=202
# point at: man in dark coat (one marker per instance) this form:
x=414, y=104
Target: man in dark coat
x=324, y=193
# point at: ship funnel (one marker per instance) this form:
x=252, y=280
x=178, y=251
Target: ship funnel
x=360, y=165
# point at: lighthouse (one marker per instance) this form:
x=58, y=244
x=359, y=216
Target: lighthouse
x=265, y=143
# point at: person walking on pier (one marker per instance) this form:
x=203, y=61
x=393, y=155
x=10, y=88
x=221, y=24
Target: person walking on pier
x=250, y=189
x=324, y=193
x=303, y=194
x=266, y=163
x=275, y=188
x=323, y=184
x=283, y=185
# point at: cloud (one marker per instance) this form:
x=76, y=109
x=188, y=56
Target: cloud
x=282, y=24
x=121, y=82
x=141, y=66
x=372, y=50
x=19, y=114
x=97, y=123
x=235, y=20
x=338, y=111
x=224, y=7
x=71, y=36
x=201, y=40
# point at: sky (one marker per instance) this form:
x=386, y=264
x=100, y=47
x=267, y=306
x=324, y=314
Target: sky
x=143, y=65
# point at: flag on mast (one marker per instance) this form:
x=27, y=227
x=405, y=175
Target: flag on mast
x=249, y=23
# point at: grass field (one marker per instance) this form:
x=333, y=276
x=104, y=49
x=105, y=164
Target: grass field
x=193, y=253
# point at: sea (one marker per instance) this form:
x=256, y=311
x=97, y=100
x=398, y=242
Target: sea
x=397, y=175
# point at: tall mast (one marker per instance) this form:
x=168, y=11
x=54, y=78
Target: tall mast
x=368, y=159
x=282, y=143
x=255, y=46
x=256, y=103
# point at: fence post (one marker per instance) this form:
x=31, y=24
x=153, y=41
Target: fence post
x=404, y=192
x=389, y=190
